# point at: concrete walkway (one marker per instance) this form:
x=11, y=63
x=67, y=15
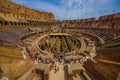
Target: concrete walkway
x=59, y=75
x=77, y=78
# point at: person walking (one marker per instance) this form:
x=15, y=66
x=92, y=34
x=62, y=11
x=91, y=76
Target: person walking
x=55, y=67
x=65, y=67
x=50, y=66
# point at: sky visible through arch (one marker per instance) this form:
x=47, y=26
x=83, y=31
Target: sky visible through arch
x=73, y=9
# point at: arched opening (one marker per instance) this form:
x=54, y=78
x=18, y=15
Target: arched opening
x=18, y=24
x=6, y=23
x=11, y=24
x=15, y=24
x=24, y=24
x=113, y=25
x=27, y=24
x=1, y=23
x=65, y=25
x=21, y=24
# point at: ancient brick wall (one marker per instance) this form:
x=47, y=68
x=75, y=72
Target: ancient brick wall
x=108, y=21
x=12, y=9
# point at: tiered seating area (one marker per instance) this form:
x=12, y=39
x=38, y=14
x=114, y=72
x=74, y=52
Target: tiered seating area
x=11, y=36
x=12, y=14
x=105, y=35
x=108, y=52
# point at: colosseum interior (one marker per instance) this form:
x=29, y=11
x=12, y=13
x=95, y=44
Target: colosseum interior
x=38, y=47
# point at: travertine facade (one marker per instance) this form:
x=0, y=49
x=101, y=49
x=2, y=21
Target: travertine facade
x=109, y=22
x=12, y=14
x=17, y=15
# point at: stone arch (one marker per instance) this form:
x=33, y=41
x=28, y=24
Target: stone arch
x=18, y=23
x=1, y=23
x=11, y=23
x=6, y=23
x=113, y=25
x=15, y=23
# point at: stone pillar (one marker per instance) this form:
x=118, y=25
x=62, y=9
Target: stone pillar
x=46, y=74
x=70, y=74
x=8, y=24
x=1, y=23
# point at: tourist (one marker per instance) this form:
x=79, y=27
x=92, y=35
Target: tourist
x=30, y=55
x=55, y=67
x=39, y=59
x=69, y=61
x=48, y=60
x=50, y=66
x=35, y=57
x=65, y=68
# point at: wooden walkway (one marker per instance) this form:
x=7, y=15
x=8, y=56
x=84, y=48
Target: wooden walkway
x=59, y=75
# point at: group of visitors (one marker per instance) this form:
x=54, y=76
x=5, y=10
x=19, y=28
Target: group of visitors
x=35, y=56
x=69, y=57
x=40, y=59
x=53, y=65
x=73, y=54
x=58, y=57
x=43, y=60
x=76, y=56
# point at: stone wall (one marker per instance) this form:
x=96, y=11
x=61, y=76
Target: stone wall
x=108, y=21
x=18, y=15
x=16, y=68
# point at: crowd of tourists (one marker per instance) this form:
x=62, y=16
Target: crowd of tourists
x=54, y=65
x=58, y=58
x=70, y=57
x=61, y=58
x=35, y=56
